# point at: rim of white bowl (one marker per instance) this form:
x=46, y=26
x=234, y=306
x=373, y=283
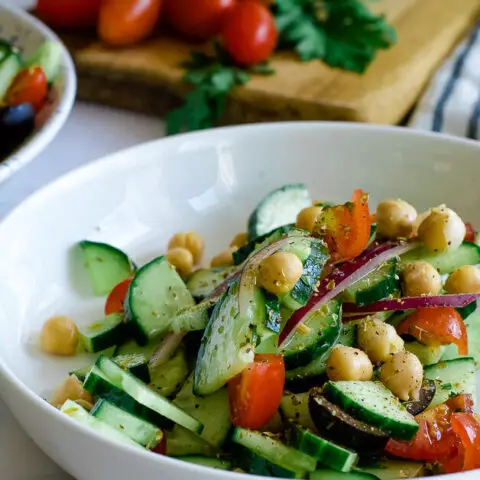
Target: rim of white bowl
x=40, y=139
x=83, y=173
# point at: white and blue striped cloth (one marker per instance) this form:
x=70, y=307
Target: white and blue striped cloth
x=451, y=103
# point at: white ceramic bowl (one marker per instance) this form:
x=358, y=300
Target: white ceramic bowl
x=206, y=181
x=27, y=33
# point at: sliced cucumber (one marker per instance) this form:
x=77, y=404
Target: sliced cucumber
x=145, y=398
x=279, y=207
x=348, y=333
x=80, y=415
x=218, y=463
x=131, y=347
x=212, y=411
x=136, y=364
x=274, y=451
x=466, y=254
x=6, y=49
x=294, y=407
x=325, y=474
x=106, y=333
x=10, y=65
x=273, y=313
x=106, y=266
x=167, y=379
x=394, y=469
x=228, y=345
x=82, y=372
x=326, y=452
x=374, y=404
x=381, y=283
x=156, y=295
x=138, y=430
x=49, y=57
x=453, y=377
x=181, y=441
x=323, y=330
x=303, y=378
x=204, y=281
x=427, y=354
x=192, y=319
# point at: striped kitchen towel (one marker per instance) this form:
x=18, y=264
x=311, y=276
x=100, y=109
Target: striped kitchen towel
x=451, y=103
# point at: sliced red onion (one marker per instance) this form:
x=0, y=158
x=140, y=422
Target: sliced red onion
x=406, y=303
x=220, y=289
x=166, y=349
x=248, y=279
x=343, y=277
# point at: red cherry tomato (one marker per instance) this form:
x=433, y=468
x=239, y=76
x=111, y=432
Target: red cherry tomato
x=161, y=448
x=436, y=326
x=256, y=393
x=68, y=13
x=115, y=299
x=462, y=403
x=199, y=19
x=468, y=430
x=128, y=21
x=249, y=32
x=29, y=86
x=470, y=234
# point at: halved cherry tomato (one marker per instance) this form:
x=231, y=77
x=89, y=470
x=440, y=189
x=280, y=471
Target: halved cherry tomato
x=436, y=326
x=256, y=393
x=346, y=228
x=199, y=19
x=462, y=403
x=468, y=430
x=115, y=299
x=68, y=13
x=29, y=86
x=470, y=234
x=249, y=32
x=128, y=21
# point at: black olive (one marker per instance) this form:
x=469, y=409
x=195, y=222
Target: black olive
x=427, y=393
x=16, y=124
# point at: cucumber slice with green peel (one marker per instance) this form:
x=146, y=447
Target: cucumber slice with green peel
x=372, y=403
x=108, y=332
x=156, y=295
x=6, y=49
x=212, y=411
x=140, y=431
x=10, y=65
x=80, y=415
x=106, y=265
x=271, y=449
x=466, y=311
x=377, y=285
x=453, y=377
x=228, y=344
x=218, y=463
x=82, y=372
x=302, y=378
x=131, y=347
x=387, y=469
x=322, y=330
x=328, y=453
x=348, y=333
x=326, y=474
x=294, y=407
x=273, y=313
x=167, y=379
x=427, y=354
x=447, y=262
x=192, y=319
x=202, y=282
x=279, y=207
x=136, y=364
x=181, y=441
x=49, y=57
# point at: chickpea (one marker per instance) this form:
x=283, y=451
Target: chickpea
x=403, y=375
x=421, y=278
x=307, y=217
x=464, y=280
x=181, y=259
x=442, y=230
x=347, y=363
x=71, y=389
x=191, y=241
x=280, y=272
x=395, y=219
x=239, y=240
x=223, y=259
x=59, y=336
x=378, y=340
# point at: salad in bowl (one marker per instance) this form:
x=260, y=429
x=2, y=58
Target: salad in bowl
x=328, y=341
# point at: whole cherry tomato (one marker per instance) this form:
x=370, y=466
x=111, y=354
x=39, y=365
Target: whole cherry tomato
x=127, y=22
x=68, y=13
x=117, y=296
x=29, y=86
x=199, y=19
x=256, y=393
x=249, y=32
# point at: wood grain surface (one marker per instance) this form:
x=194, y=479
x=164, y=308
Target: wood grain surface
x=148, y=77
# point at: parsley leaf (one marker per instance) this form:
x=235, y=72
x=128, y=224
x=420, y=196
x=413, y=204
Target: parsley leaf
x=343, y=33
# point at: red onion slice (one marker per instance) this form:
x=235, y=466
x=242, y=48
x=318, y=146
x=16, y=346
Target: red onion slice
x=406, y=303
x=344, y=276
x=166, y=349
x=220, y=289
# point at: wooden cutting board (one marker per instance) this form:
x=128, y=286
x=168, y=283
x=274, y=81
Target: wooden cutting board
x=147, y=77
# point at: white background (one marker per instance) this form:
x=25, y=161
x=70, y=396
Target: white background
x=89, y=133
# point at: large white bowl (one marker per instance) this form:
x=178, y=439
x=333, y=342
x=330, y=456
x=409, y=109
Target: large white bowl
x=206, y=181
x=27, y=33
